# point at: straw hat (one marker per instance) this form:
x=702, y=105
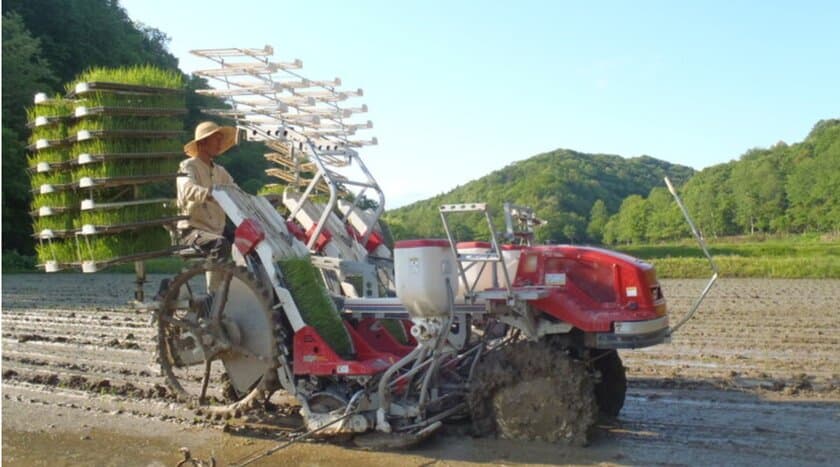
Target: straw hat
x=207, y=129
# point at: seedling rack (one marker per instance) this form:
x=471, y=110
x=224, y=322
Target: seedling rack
x=121, y=139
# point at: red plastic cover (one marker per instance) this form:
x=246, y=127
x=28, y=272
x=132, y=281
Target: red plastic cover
x=374, y=239
x=248, y=235
x=323, y=238
x=296, y=230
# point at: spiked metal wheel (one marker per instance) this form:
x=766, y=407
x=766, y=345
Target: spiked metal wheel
x=217, y=348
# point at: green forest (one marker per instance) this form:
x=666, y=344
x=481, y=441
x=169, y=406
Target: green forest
x=47, y=43
x=596, y=198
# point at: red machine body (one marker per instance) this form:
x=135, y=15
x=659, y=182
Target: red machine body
x=314, y=356
x=591, y=288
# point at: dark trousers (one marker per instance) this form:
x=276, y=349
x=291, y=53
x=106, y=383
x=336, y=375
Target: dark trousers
x=215, y=246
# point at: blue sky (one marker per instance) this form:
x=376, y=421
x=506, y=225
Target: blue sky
x=459, y=89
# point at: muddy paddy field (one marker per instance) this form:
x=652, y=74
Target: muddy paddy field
x=754, y=379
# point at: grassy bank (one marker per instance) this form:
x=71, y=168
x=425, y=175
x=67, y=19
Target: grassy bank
x=784, y=258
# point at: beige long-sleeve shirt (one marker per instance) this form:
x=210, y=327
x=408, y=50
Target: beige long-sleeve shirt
x=194, y=188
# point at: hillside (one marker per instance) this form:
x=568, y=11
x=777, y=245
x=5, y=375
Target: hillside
x=785, y=189
x=562, y=185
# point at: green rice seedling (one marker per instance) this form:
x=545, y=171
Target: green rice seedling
x=126, y=193
x=51, y=131
x=127, y=168
x=132, y=242
x=159, y=101
x=127, y=146
x=160, y=189
x=109, y=195
x=100, y=123
x=58, y=221
x=50, y=155
x=141, y=75
x=315, y=305
x=128, y=214
x=57, y=199
x=61, y=250
x=53, y=177
x=51, y=108
x=396, y=329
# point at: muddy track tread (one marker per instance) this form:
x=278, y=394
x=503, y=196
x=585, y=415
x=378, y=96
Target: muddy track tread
x=572, y=396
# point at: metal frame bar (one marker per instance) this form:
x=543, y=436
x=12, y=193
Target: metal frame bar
x=460, y=258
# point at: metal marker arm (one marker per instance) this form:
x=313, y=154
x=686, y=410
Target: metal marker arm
x=700, y=241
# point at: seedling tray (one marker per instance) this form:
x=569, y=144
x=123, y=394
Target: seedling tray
x=84, y=135
x=56, y=219
x=56, y=254
x=96, y=266
x=117, y=169
x=80, y=89
x=88, y=182
x=43, y=167
x=110, y=248
x=116, y=217
x=94, y=158
x=91, y=229
x=49, y=143
x=48, y=188
x=44, y=121
x=55, y=266
x=50, y=156
x=48, y=234
x=127, y=146
x=129, y=111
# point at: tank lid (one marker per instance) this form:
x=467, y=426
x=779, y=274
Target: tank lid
x=484, y=245
x=422, y=243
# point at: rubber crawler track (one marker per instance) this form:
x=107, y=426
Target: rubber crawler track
x=610, y=391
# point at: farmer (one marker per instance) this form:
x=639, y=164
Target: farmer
x=204, y=229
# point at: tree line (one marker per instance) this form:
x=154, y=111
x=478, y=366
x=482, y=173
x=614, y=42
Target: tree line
x=786, y=189
x=46, y=43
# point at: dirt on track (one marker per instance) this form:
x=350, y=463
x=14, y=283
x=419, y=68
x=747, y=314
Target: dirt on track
x=754, y=379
